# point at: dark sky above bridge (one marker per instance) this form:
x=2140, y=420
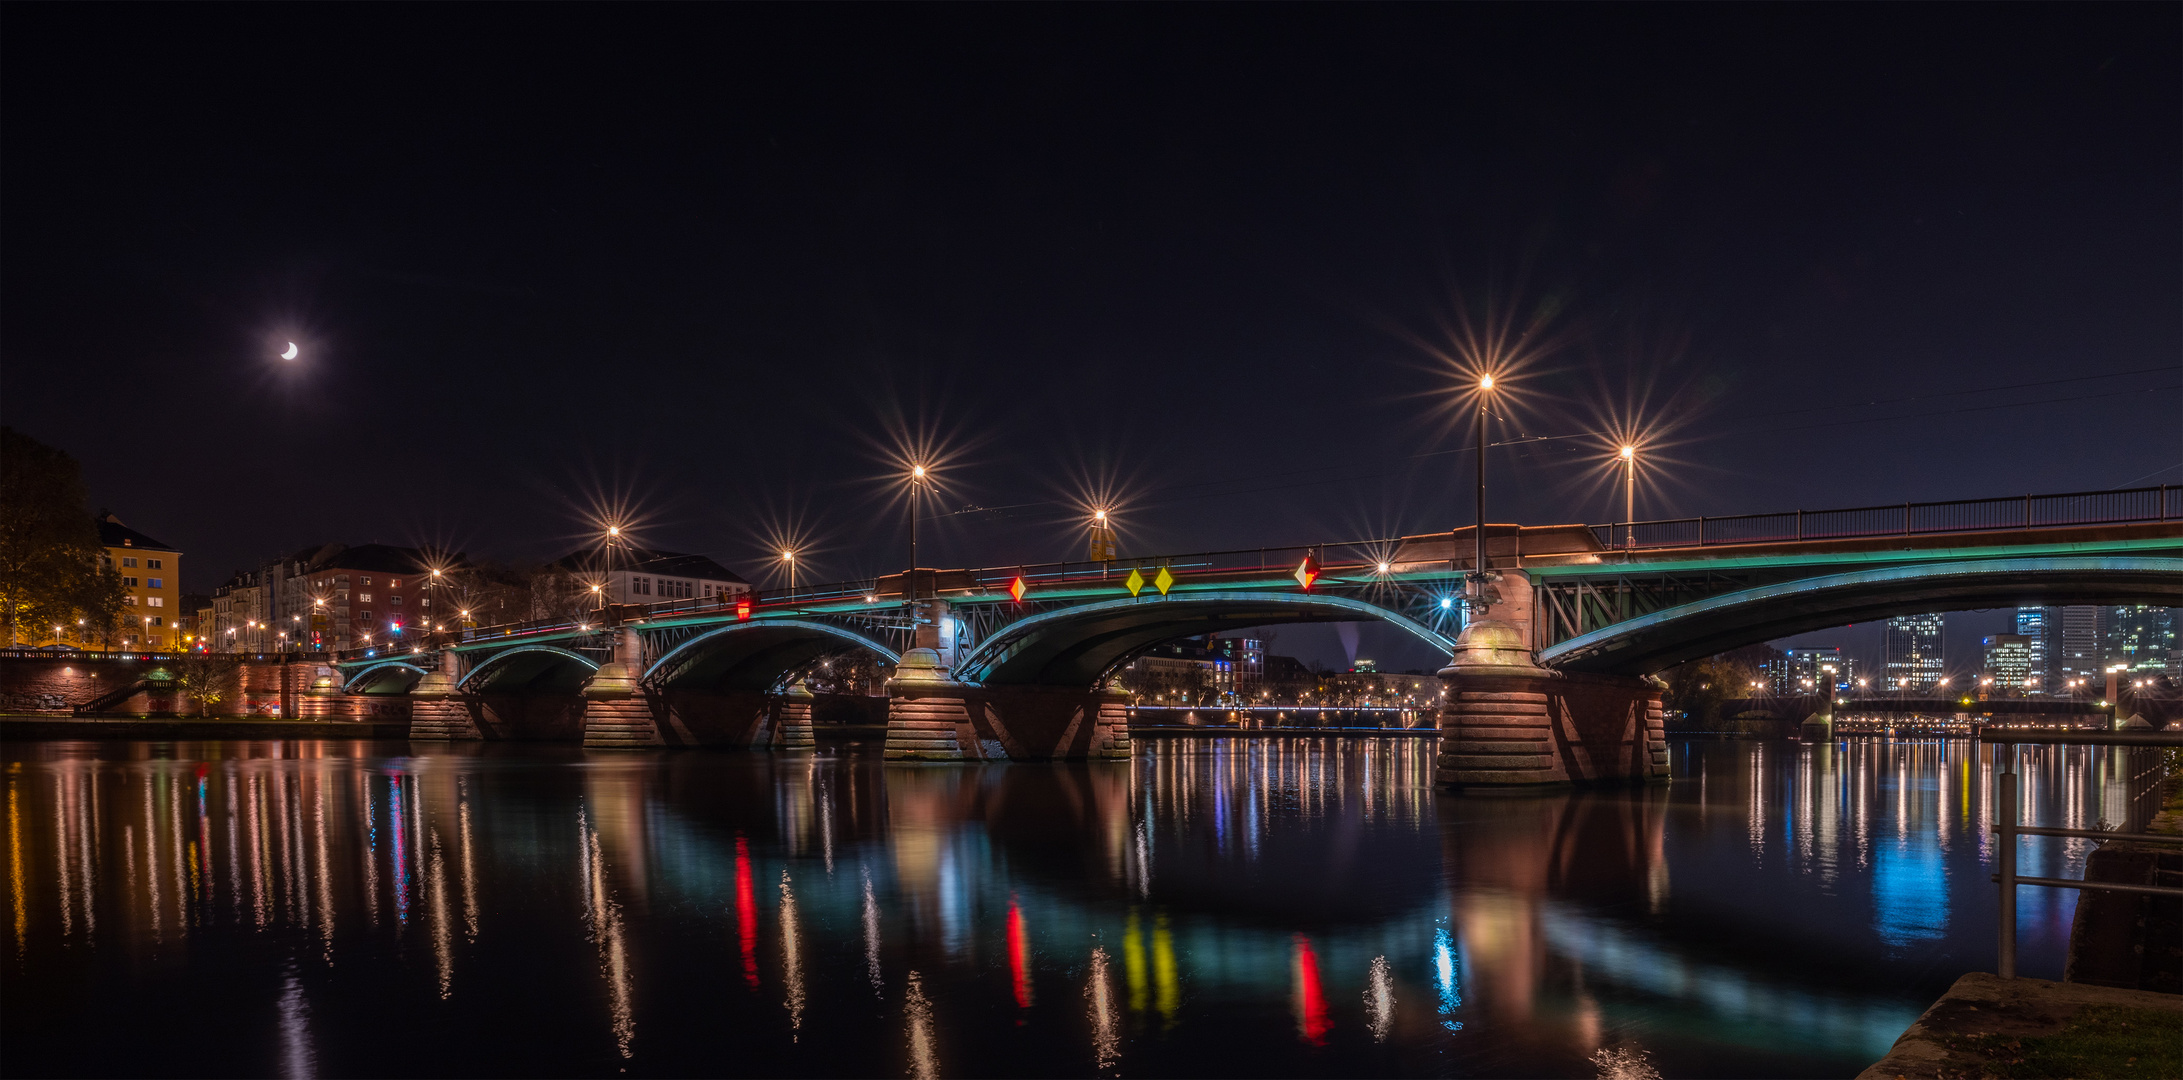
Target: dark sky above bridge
x=714, y=263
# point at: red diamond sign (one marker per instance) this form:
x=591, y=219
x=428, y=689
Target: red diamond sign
x=1016, y=589
x=1307, y=572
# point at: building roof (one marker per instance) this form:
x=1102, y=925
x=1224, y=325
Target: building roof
x=648, y=561
x=382, y=558
x=113, y=533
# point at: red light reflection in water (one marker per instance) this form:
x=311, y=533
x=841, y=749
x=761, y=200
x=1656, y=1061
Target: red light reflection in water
x=1018, y=955
x=746, y=911
x=1311, y=1019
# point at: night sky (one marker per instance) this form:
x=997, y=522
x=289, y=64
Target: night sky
x=717, y=265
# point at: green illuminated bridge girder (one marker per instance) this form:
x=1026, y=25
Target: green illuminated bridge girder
x=1581, y=589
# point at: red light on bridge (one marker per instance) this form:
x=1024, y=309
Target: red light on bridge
x=1016, y=588
x=1307, y=572
x=742, y=608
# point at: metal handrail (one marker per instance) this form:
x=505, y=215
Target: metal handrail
x=1897, y=519
x=2007, y=830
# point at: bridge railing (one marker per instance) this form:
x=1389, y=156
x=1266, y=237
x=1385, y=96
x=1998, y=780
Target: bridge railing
x=2121, y=507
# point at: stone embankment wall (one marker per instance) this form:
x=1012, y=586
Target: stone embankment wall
x=63, y=683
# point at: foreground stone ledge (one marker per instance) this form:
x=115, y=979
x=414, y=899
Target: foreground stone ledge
x=1985, y=1004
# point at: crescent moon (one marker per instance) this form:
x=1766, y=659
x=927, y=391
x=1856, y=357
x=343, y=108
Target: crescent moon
x=291, y=353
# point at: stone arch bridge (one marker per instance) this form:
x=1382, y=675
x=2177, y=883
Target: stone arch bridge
x=1550, y=647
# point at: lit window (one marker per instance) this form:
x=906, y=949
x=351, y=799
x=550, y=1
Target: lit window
x=129, y=600
x=365, y=597
x=394, y=583
x=155, y=601
x=155, y=583
x=367, y=580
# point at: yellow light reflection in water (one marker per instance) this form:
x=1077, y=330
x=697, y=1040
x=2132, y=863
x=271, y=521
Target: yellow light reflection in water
x=1133, y=960
x=1163, y=969
x=15, y=864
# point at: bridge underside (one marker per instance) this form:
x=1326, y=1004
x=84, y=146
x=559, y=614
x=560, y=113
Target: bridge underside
x=1076, y=647
x=756, y=658
x=1651, y=643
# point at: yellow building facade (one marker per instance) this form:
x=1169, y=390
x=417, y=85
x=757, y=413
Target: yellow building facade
x=151, y=585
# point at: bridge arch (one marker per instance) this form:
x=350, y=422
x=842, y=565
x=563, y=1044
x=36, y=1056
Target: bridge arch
x=530, y=667
x=754, y=656
x=390, y=677
x=1663, y=639
x=1076, y=646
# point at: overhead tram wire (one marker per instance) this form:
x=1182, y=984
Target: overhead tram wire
x=1174, y=491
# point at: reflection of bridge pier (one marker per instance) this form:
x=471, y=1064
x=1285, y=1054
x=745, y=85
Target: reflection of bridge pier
x=1602, y=847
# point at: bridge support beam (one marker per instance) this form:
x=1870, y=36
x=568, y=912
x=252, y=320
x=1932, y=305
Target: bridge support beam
x=617, y=715
x=1819, y=726
x=1509, y=724
x=436, y=711
x=931, y=717
x=793, y=729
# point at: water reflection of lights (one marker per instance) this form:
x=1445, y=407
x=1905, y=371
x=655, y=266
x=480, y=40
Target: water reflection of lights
x=917, y=1012
x=604, y=918
x=871, y=934
x=791, y=960
x=1311, y=1015
x=1019, y=958
x=1445, y=984
x=296, y=1058
x=1379, y=999
x=1764, y=1010
x=746, y=912
x=1105, y=1025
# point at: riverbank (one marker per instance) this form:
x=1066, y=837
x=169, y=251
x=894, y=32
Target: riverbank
x=23, y=728
x=1986, y=1025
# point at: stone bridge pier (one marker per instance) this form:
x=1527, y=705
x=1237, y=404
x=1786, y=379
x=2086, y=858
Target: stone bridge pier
x=1511, y=724
x=931, y=717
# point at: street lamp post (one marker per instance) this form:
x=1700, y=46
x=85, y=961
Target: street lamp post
x=1629, y=498
x=789, y=557
x=1478, y=572
x=917, y=486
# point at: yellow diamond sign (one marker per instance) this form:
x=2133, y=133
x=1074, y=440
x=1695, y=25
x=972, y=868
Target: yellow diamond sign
x=1136, y=582
x=1164, y=580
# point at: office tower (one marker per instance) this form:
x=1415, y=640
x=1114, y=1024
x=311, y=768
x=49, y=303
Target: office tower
x=2075, y=632
x=2031, y=624
x=2138, y=636
x=1913, y=645
x=1810, y=671
x=2008, y=664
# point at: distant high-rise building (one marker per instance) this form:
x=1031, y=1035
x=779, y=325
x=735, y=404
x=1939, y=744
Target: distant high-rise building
x=1810, y=671
x=2075, y=636
x=2031, y=623
x=2138, y=636
x=2008, y=664
x=1913, y=645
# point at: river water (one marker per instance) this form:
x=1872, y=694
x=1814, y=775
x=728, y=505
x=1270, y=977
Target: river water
x=1214, y=907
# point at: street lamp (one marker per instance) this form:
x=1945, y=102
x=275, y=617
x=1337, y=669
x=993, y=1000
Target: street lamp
x=789, y=557
x=1629, y=497
x=1478, y=572
x=917, y=487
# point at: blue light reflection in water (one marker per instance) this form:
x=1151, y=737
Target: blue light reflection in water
x=1780, y=910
